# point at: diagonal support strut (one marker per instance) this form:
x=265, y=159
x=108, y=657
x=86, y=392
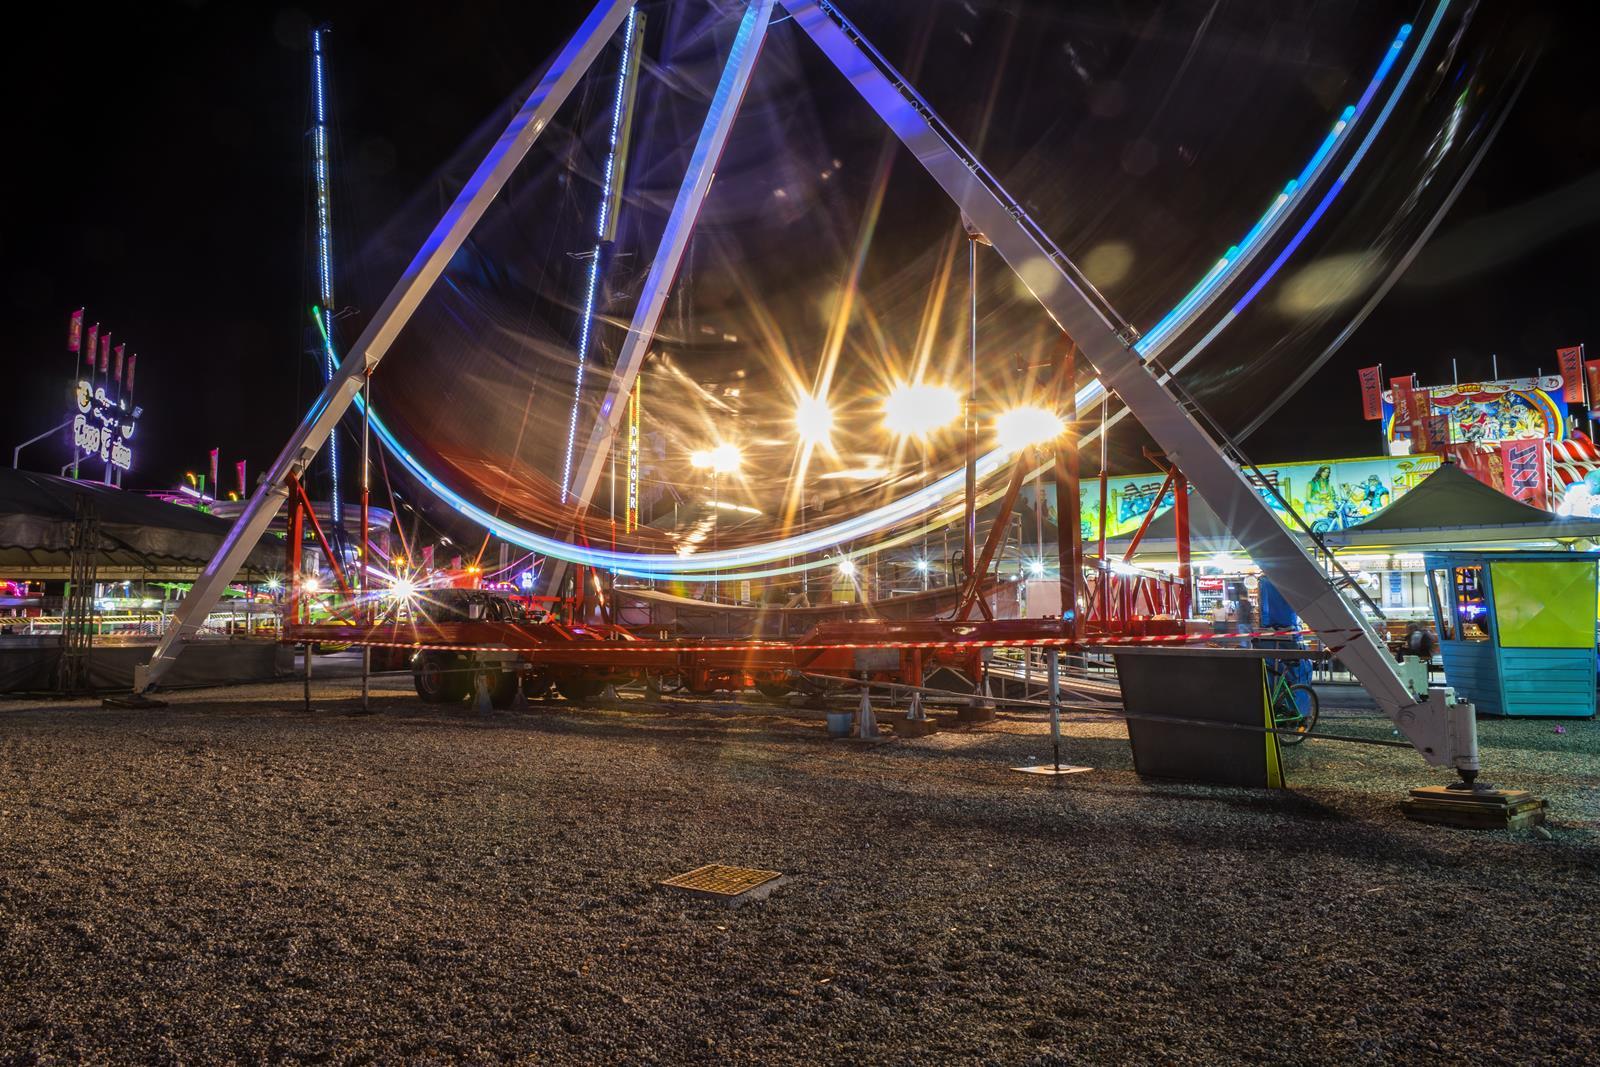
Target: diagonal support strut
x=425, y=268
x=1442, y=731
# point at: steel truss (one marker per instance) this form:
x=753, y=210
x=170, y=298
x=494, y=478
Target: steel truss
x=1441, y=729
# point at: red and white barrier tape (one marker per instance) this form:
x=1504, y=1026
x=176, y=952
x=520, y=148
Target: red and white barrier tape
x=642, y=647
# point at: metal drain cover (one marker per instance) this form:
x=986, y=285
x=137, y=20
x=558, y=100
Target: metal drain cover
x=718, y=881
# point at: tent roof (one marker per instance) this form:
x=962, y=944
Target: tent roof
x=38, y=513
x=1450, y=506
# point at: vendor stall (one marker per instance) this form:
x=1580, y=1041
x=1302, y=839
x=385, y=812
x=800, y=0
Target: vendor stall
x=1517, y=629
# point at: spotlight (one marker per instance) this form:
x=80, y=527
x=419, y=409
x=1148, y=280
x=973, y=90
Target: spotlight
x=1024, y=426
x=813, y=419
x=918, y=409
x=723, y=459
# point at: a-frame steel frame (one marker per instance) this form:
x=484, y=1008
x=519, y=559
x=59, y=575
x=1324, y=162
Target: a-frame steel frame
x=1443, y=731
x=664, y=268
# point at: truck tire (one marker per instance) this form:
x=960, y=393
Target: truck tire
x=503, y=688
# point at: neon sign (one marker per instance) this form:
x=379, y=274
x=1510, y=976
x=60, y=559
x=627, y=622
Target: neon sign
x=104, y=427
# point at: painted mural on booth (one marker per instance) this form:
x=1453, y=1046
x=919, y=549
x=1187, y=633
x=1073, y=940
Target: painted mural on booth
x=1329, y=494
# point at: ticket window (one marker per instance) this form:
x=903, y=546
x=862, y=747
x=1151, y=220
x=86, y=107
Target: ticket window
x=1459, y=600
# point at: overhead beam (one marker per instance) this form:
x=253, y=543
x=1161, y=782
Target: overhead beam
x=425, y=268
x=692, y=192
x=1443, y=732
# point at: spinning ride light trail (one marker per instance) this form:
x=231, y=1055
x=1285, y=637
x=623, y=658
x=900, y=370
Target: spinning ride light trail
x=673, y=567
x=604, y=228
x=1334, y=190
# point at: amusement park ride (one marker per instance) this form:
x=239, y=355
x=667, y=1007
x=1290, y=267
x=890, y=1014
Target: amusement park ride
x=581, y=657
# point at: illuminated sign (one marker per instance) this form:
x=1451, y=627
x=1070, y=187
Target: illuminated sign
x=1513, y=409
x=104, y=427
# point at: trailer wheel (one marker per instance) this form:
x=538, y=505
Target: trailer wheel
x=440, y=678
x=774, y=690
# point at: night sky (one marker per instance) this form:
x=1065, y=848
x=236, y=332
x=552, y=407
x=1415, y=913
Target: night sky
x=157, y=176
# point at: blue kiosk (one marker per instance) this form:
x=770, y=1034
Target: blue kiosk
x=1517, y=629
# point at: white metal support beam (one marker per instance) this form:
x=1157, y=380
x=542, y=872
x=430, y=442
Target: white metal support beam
x=1444, y=733
x=430, y=261
x=664, y=268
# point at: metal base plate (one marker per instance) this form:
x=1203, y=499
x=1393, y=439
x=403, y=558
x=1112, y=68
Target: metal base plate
x=1050, y=770
x=1483, y=809
x=732, y=885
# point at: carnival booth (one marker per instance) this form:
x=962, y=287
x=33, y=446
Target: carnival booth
x=1517, y=629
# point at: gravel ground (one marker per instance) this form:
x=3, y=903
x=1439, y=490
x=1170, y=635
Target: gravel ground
x=235, y=879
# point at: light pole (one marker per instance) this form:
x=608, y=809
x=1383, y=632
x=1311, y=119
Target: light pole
x=720, y=459
x=918, y=410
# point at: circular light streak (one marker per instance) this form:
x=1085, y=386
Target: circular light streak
x=670, y=567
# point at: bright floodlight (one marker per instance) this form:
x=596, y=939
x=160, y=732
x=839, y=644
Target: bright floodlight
x=402, y=588
x=918, y=409
x=313, y=584
x=921, y=565
x=813, y=419
x=847, y=567
x=723, y=459
x=1036, y=568
x=1024, y=426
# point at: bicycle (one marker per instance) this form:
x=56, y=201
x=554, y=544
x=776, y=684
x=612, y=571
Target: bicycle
x=1294, y=707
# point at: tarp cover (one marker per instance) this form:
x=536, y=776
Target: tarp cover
x=38, y=512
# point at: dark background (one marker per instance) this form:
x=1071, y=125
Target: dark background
x=157, y=176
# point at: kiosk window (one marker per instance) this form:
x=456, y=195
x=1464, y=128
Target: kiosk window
x=1444, y=598
x=1472, y=611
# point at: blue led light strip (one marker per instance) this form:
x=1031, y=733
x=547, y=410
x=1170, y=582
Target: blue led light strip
x=659, y=566
x=1239, y=256
x=330, y=362
x=584, y=328
x=1339, y=183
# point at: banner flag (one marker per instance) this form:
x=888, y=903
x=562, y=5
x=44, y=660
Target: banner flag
x=1524, y=471
x=105, y=352
x=1591, y=371
x=88, y=351
x=1571, y=360
x=116, y=364
x=1401, y=390
x=1371, y=392
x=132, y=362
x=75, y=331
x=244, y=490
